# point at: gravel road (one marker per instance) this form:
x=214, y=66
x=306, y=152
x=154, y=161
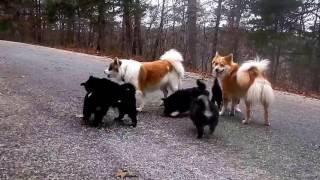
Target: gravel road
x=41, y=137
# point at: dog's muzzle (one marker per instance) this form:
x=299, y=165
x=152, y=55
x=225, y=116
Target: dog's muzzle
x=218, y=71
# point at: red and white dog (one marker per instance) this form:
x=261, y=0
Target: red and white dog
x=247, y=81
x=164, y=74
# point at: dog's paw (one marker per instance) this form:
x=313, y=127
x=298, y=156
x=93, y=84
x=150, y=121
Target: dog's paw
x=244, y=121
x=267, y=124
x=139, y=109
x=175, y=114
x=237, y=109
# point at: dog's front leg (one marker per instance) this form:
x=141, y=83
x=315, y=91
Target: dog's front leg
x=235, y=107
x=140, y=95
x=133, y=117
x=224, y=106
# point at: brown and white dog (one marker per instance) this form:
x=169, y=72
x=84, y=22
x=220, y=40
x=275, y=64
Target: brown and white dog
x=247, y=81
x=164, y=74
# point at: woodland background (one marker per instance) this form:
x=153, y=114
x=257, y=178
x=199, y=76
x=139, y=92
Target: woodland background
x=285, y=31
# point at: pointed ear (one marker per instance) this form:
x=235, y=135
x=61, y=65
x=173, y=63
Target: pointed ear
x=217, y=54
x=117, y=61
x=163, y=99
x=83, y=84
x=229, y=58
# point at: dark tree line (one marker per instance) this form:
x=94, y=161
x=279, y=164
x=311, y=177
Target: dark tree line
x=287, y=32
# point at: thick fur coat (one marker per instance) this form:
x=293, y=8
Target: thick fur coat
x=164, y=74
x=103, y=94
x=247, y=81
x=180, y=101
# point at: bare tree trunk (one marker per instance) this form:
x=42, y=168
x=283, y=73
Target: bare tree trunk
x=137, y=42
x=238, y=14
x=127, y=26
x=160, y=30
x=101, y=26
x=192, y=33
x=216, y=30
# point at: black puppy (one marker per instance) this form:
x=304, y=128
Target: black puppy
x=203, y=112
x=180, y=101
x=103, y=94
x=216, y=93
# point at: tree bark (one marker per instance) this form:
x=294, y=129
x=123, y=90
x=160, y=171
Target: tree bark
x=101, y=26
x=127, y=26
x=216, y=30
x=137, y=42
x=160, y=30
x=192, y=33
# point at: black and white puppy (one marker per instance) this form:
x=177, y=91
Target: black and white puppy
x=216, y=93
x=204, y=112
x=180, y=101
x=103, y=94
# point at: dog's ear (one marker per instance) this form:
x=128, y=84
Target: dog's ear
x=163, y=99
x=229, y=58
x=201, y=85
x=117, y=61
x=83, y=84
x=217, y=54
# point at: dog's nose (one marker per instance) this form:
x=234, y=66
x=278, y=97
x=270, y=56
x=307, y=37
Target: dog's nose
x=217, y=70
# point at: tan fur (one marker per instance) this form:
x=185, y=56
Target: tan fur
x=151, y=73
x=233, y=90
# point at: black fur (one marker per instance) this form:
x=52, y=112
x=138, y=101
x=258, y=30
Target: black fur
x=216, y=94
x=102, y=94
x=198, y=116
x=181, y=100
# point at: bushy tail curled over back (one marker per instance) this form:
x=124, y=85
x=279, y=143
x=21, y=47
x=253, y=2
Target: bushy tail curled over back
x=260, y=64
x=176, y=59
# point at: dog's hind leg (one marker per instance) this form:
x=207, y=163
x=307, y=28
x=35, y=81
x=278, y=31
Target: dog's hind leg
x=200, y=132
x=165, y=92
x=266, y=115
x=248, y=113
x=212, y=127
x=133, y=117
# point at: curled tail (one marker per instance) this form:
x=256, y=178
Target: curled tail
x=176, y=59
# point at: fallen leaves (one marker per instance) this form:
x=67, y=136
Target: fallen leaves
x=122, y=173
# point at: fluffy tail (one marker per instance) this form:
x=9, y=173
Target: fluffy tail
x=260, y=91
x=260, y=65
x=253, y=71
x=176, y=59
